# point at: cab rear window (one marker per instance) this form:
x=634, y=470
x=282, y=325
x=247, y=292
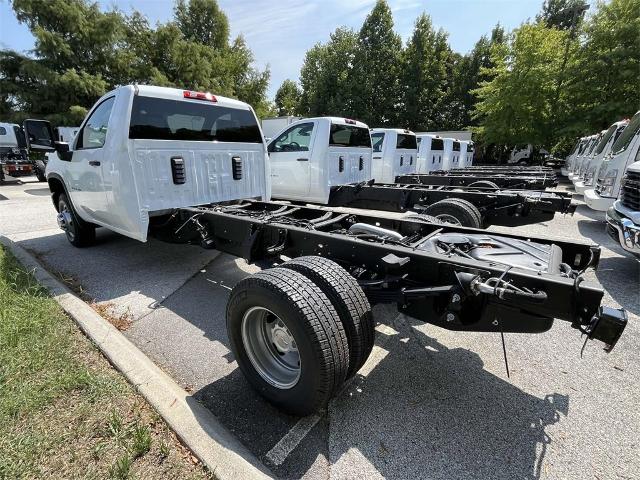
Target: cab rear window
x=406, y=141
x=162, y=119
x=349, y=136
x=437, y=144
x=456, y=146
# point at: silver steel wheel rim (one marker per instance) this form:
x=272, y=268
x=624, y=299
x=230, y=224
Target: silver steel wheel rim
x=446, y=218
x=271, y=348
x=69, y=230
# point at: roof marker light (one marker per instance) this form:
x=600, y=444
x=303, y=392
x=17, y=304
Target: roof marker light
x=349, y=121
x=199, y=96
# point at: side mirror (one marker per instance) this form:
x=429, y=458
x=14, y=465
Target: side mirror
x=39, y=135
x=62, y=149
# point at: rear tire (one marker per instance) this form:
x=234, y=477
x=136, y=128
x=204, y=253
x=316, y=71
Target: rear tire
x=79, y=233
x=40, y=167
x=456, y=211
x=274, y=315
x=349, y=301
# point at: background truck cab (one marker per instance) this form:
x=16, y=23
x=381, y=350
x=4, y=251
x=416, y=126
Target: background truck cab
x=314, y=154
x=430, y=153
x=623, y=218
x=469, y=157
x=625, y=150
x=395, y=152
x=572, y=156
x=144, y=150
x=586, y=176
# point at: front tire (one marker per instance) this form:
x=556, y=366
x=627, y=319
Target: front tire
x=40, y=168
x=79, y=233
x=287, y=339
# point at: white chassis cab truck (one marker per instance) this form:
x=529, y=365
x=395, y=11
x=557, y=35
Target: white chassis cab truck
x=395, y=152
x=430, y=153
x=312, y=155
x=587, y=173
x=586, y=151
x=623, y=218
x=566, y=170
x=168, y=162
x=578, y=171
x=624, y=152
x=142, y=150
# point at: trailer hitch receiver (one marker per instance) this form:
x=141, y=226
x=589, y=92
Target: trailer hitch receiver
x=607, y=326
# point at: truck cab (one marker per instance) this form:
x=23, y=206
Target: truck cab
x=623, y=153
x=430, y=153
x=623, y=218
x=577, y=161
x=395, y=152
x=459, y=157
x=587, y=172
x=449, y=152
x=579, y=167
x=312, y=155
x=142, y=151
x=469, y=157
x=520, y=155
x=566, y=170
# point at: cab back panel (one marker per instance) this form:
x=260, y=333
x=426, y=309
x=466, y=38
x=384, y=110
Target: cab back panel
x=208, y=170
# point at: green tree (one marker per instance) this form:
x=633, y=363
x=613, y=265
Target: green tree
x=424, y=76
x=202, y=21
x=517, y=105
x=605, y=78
x=326, y=76
x=288, y=98
x=562, y=14
x=376, y=90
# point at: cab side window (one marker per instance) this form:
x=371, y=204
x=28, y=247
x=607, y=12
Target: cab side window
x=295, y=139
x=94, y=132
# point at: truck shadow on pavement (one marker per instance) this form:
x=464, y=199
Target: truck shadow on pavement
x=417, y=409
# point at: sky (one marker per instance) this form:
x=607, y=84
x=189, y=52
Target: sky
x=279, y=32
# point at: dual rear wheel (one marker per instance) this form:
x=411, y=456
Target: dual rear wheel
x=299, y=331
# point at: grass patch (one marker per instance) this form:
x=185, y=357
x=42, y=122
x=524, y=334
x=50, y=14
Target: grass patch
x=64, y=411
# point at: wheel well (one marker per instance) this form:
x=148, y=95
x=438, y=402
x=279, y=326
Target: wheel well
x=56, y=187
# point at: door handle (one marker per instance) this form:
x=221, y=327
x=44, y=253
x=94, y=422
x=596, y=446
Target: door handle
x=94, y=163
x=302, y=159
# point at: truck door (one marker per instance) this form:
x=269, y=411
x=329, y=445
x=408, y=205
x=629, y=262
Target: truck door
x=85, y=172
x=289, y=156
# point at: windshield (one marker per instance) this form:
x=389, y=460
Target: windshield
x=162, y=119
x=376, y=140
x=627, y=135
x=605, y=139
x=349, y=136
x=407, y=141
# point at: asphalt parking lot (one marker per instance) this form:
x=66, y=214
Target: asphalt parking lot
x=428, y=403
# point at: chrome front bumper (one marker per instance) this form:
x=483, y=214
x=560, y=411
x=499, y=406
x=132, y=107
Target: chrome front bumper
x=624, y=231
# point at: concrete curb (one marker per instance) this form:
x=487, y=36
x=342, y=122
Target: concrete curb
x=196, y=426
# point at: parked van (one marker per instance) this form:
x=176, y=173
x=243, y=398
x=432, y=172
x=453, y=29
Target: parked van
x=314, y=154
x=430, y=153
x=395, y=152
x=587, y=172
x=623, y=152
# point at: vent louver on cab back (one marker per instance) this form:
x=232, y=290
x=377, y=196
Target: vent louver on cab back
x=177, y=170
x=236, y=167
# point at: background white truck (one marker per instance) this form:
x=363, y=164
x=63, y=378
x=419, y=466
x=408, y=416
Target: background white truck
x=625, y=151
x=395, y=152
x=623, y=218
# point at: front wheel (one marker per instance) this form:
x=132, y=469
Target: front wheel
x=287, y=339
x=79, y=233
x=40, y=167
